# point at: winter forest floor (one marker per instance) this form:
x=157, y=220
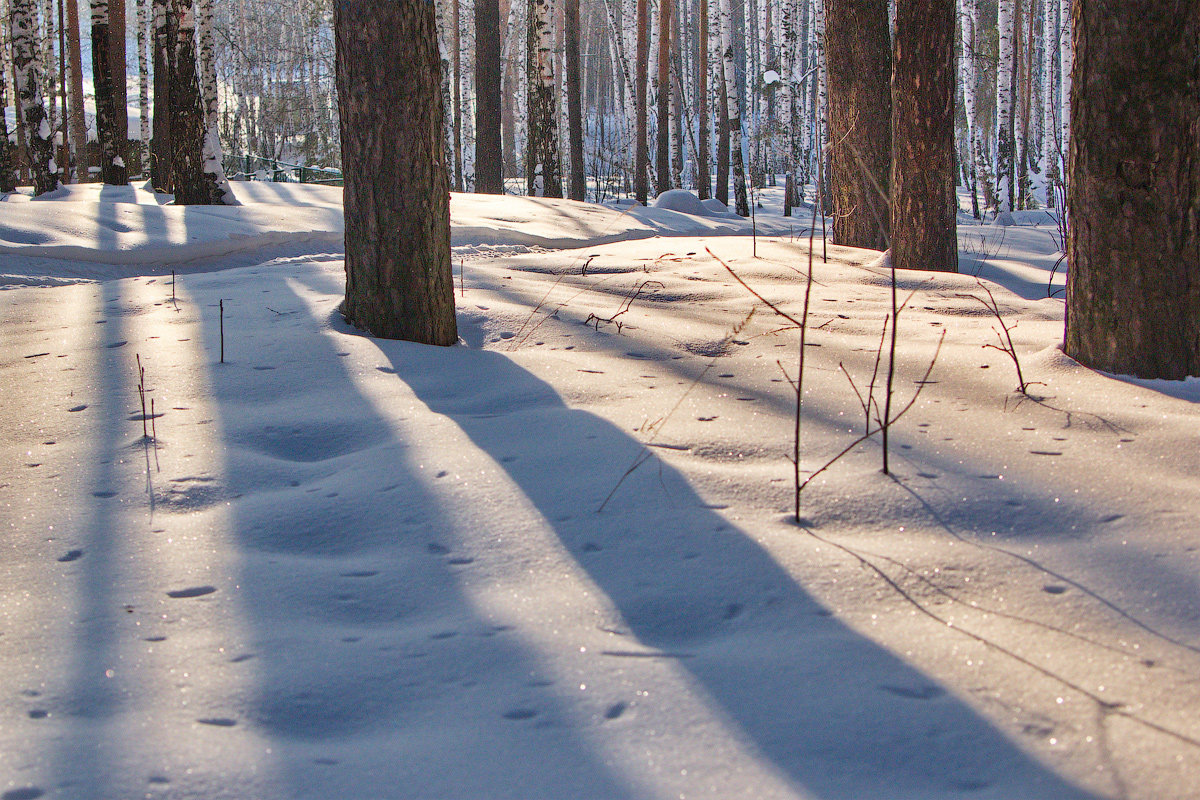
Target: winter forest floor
x=557, y=560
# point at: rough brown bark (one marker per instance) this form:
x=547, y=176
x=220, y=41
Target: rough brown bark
x=1133, y=284
x=119, y=70
x=641, y=152
x=193, y=186
x=104, y=79
x=397, y=195
x=577, y=184
x=662, y=154
x=161, y=173
x=859, y=66
x=923, y=221
x=8, y=153
x=723, y=139
x=489, y=159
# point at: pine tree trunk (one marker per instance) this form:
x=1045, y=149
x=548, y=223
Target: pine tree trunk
x=543, y=169
x=112, y=165
x=641, y=152
x=662, y=160
x=859, y=67
x=489, y=158
x=1133, y=286
x=161, y=148
x=118, y=69
x=75, y=118
x=198, y=181
x=923, y=221
x=1051, y=172
x=722, y=134
x=577, y=185
x=399, y=283
x=27, y=91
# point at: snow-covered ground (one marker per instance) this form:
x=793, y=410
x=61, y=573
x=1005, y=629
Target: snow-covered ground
x=557, y=560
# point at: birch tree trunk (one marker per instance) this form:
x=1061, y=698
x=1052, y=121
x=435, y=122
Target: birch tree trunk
x=397, y=193
x=1133, y=285
x=967, y=75
x=923, y=220
x=1065, y=64
x=196, y=154
x=662, y=153
x=143, y=86
x=49, y=84
x=1051, y=174
x=858, y=60
x=1005, y=177
x=733, y=114
x=8, y=153
x=28, y=93
x=543, y=170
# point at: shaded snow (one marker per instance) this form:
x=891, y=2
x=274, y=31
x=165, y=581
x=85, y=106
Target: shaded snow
x=555, y=561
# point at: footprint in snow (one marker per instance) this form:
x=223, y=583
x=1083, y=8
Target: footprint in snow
x=437, y=549
x=615, y=710
x=520, y=714
x=70, y=555
x=218, y=722
x=192, y=591
x=77, y=408
x=1054, y=588
x=927, y=692
x=24, y=793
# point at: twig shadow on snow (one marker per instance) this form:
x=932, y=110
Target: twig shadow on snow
x=836, y=713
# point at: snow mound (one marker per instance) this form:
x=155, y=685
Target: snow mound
x=681, y=200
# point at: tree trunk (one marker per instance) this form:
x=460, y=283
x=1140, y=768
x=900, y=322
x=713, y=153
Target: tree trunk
x=118, y=70
x=859, y=66
x=1133, y=286
x=543, y=169
x=923, y=221
x=399, y=283
x=76, y=123
x=112, y=165
x=577, y=185
x=722, y=137
x=8, y=153
x=456, y=91
x=703, y=176
x=28, y=93
x=733, y=116
x=1005, y=178
x=641, y=153
x=143, y=87
x=195, y=156
x=662, y=160
x=161, y=149
x=489, y=159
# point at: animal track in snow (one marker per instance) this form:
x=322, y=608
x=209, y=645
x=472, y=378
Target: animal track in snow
x=192, y=591
x=70, y=555
x=219, y=722
x=926, y=692
x=520, y=714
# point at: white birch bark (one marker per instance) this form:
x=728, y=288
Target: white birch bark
x=1004, y=106
x=737, y=167
x=1050, y=167
x=820, y=121
x=49, y=63
x=27, y=89
x=143, y=84
x=1065, y=59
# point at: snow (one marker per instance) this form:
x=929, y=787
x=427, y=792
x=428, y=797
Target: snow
x=556, y=561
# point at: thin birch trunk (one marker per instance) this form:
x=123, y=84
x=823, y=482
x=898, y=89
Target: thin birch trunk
x=28, y=93
x=733, y=114
x=1005, y=178
x=542, y=165
x=143, y=86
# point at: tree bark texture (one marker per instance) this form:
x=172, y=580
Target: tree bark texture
x=923, y=200
x=8, y=153
x=119, y=69
x=1133, y=284
x=76, y=124
x=489, y=158
x=161, y=149
x=858, y=52
x=662, y=153
x=543, y=168
x=28, y=94
x=399, y=283
x=641, y=145
x=577, y=185
x=195, y=182
x=703, y=176
x=112, y=165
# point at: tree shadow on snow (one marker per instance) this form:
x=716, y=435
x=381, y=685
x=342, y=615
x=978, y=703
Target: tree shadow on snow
x=840, y=716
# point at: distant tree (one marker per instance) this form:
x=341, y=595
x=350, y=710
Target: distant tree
x=662, y=153
x=858, y=47
x=733, y=114
x=143, y=86
x=75, y=118
x=104, y=79
x=703, y=175
x=1133, y=284
x=543, y=167
x=399, y=283
x=1005, y=140
x=489, y=159
x=923, y=200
